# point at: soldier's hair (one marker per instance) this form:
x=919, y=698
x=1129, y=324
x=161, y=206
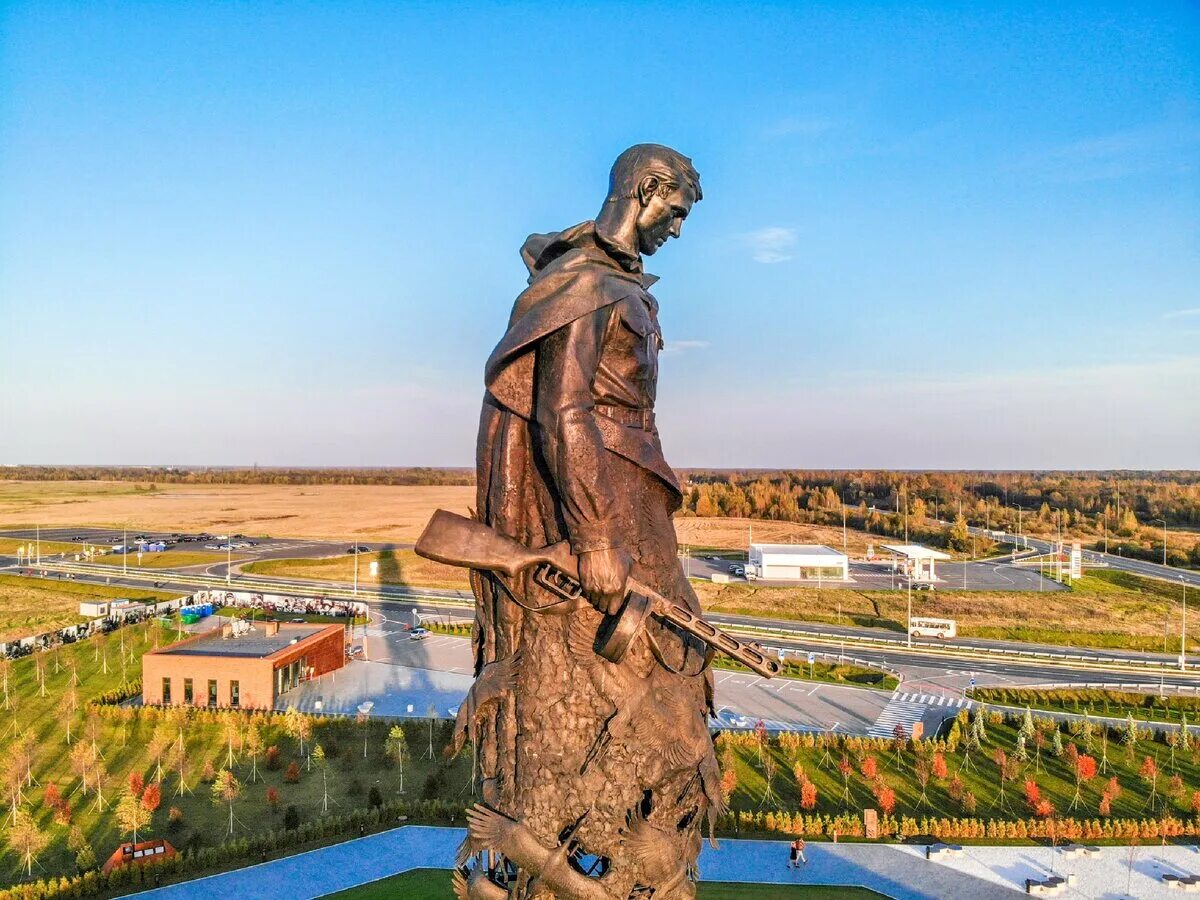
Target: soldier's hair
x=672, y=168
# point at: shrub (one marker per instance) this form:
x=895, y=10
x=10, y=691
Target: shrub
x=291, y=818
x=292, y=775
x=273, y=799
x=271, y=758
x=375, y=799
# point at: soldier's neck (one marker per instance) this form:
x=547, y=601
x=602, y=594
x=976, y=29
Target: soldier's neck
x=616, y=230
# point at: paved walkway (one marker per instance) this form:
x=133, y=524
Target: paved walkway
x=894, y=870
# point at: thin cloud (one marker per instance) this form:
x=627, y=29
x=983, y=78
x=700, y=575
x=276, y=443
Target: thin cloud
x=684, y=346
x=772, y=244
x=1183, y=313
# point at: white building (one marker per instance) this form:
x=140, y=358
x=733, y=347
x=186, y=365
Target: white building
x=795, y=562
x=915, y=561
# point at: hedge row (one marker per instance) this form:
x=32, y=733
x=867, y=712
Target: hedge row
x=1094, y=698
x=193, y=863
x=1069, y=829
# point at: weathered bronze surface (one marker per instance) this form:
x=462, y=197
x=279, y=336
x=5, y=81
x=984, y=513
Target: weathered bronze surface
x=596, y=775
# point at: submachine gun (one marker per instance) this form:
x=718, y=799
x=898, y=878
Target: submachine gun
x=458, y=541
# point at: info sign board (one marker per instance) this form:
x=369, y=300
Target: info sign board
x=1076, y=560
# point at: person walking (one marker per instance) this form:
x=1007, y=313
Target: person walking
x=797, y=855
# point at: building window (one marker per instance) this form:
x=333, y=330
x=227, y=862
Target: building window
x=234, y=693
x=187, y=690
x=212, y=692
x=166, y=697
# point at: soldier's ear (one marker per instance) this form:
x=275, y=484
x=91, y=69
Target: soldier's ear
x=647, y=188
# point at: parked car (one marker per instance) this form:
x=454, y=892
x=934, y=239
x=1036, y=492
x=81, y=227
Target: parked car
x=418, y=633
x=300, y=620
x=358, y=548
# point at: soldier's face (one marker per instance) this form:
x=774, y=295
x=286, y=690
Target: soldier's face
x=662, y=218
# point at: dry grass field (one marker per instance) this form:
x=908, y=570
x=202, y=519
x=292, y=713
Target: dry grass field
x=30, y=606
x=734, y=534
x=395, y=567
x=334, y=512
x=171, y=559
x=1106, y=609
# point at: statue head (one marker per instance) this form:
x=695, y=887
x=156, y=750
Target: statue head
x=650, y=192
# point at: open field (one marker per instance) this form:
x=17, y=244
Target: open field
x=334, y=512
x=1104, y=609
x=395, y=567
x=734, y=534
x=434, y=884
x=30, y=606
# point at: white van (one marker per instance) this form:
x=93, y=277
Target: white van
x=926, y=627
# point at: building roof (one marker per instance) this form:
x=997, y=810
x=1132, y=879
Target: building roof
x=916, y=551
x=255, y=644
x=798, y=549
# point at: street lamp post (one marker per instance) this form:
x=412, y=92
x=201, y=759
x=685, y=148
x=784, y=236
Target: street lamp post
x=1164, y=521
x=908, y=624
x=1183, y=628
x=229, y=560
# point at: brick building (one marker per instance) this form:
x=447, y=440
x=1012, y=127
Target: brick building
x=241, y=666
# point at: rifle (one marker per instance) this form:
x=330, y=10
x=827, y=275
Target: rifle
x=458, y=541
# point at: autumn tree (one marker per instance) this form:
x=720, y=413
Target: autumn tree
x=254, y=747
x=151, y=798
x=225, y=790
x=26, y=839
x=398, y=747
x=132, y=817
x=1084, y=771
x=322, y=764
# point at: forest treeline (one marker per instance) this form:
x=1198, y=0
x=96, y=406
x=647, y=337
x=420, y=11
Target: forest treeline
x=250, y=475
x=1122, y=511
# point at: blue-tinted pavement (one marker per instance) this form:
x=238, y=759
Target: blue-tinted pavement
x=894, y=871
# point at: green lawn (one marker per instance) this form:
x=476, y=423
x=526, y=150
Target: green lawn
x=434, y=884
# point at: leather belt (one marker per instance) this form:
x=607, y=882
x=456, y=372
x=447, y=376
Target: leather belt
x=626, y=415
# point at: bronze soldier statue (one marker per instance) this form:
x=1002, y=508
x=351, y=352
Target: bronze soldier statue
x=597, y=776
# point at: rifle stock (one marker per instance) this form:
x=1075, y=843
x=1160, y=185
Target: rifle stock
x=458, y=541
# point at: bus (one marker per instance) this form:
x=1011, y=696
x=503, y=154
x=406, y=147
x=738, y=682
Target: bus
x=938, y=628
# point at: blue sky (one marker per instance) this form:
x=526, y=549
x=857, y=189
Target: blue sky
x=933, y=236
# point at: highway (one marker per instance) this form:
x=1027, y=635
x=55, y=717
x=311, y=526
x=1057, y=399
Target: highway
x=934, y=674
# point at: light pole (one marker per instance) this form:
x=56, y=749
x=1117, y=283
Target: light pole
x=125, y=550
x=908, y=624
x=844, y=543
x=1020, y=509
x=1183, y=628
x=228, y=560
x=1164, y=521
x=356, y=570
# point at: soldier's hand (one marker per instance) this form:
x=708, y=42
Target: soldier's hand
x=603, y=574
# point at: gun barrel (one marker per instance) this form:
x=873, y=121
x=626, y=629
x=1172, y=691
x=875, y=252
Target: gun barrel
x=726, y=643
